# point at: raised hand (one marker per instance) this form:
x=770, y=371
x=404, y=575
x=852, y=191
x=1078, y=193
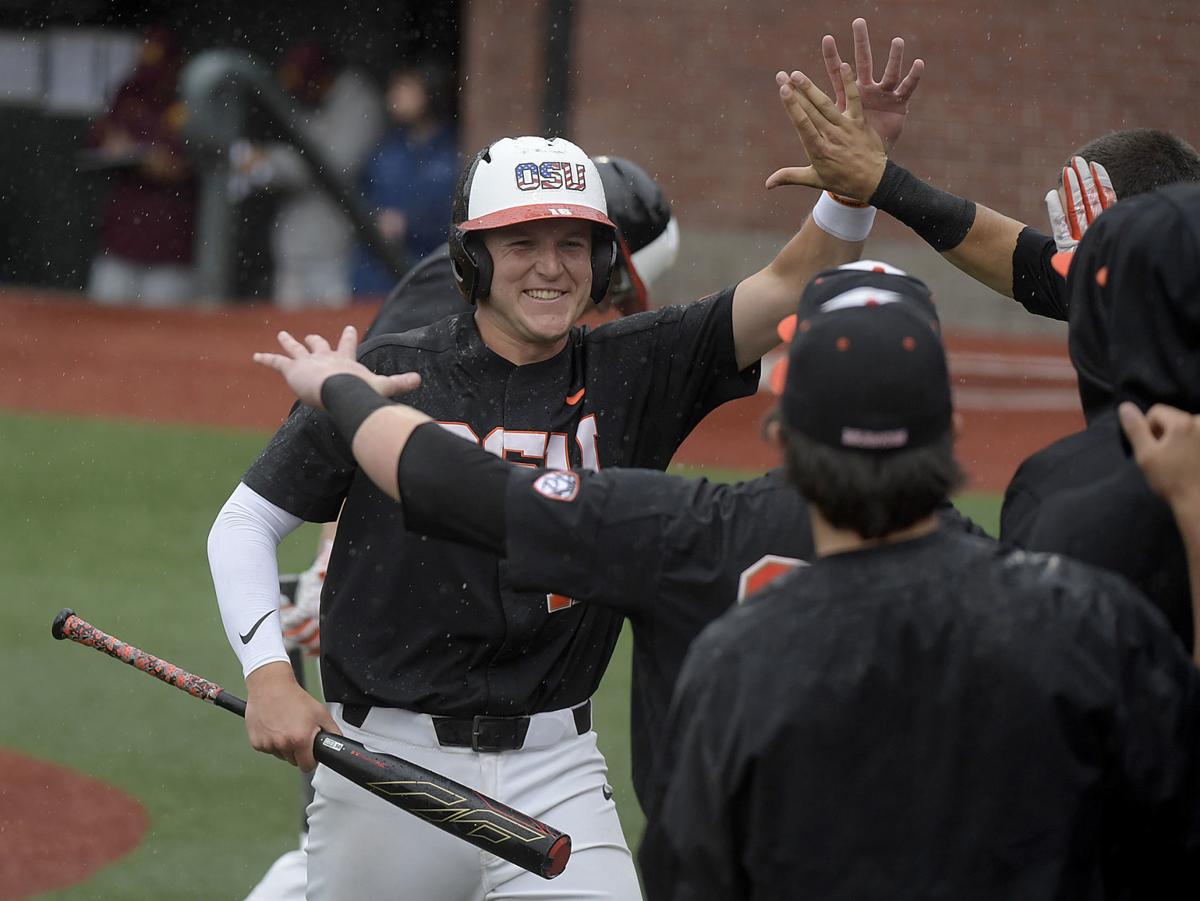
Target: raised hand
x=884, y=102
x=305, y=367
x=847, y=156
x=1166, y=446
x=1087, y=191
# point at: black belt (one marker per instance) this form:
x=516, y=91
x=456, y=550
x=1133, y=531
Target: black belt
x=479, y=733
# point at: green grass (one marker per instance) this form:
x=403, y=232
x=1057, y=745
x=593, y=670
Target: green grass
x=111, y=519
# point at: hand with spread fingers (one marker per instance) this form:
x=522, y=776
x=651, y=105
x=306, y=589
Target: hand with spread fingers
x=884, y=102
x=846, y=155
x=306, y=366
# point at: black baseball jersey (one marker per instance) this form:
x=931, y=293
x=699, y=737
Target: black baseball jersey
x=436, y=626
x=1072, y=462
x=1036, y=286
x=670, y=553
x=1118, y=523
x=1134, y=335
x=942, y=717
x=426, y=294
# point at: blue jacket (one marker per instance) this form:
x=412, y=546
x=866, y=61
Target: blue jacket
x=418, y=180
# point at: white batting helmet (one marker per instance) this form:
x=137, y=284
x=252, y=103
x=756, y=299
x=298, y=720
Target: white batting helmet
x=522, y=180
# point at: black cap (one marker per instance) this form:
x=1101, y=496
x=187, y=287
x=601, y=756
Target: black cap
x=1134, y=303
x=866, y=368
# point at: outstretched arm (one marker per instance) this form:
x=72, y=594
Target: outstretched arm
x=981, y=242
x=835, y=232
x=852, y=161
x=376, y=428
x=884, y=102
x=1166, y=445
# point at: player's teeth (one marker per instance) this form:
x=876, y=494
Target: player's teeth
x=543, y=295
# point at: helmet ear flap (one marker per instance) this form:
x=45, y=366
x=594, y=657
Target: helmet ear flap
x=478, y=253
x=604, y=260
x=472, y=265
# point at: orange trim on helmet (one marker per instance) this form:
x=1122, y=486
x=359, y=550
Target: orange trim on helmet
x=534, y=211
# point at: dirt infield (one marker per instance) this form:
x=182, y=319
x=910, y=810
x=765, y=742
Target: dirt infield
x=57, y=827
x=60, y=354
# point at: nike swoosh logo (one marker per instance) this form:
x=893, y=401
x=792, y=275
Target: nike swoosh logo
x=246, y=638
x=573, y=399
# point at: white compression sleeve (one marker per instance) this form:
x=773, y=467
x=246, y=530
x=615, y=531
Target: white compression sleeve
x=245, y=573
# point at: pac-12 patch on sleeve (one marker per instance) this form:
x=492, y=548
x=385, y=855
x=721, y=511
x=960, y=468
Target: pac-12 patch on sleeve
x=558, y=486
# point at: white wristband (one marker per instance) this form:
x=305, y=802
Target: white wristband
x=842, y=219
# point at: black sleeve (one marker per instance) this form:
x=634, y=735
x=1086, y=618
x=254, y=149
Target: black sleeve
x=591, y=535
x=699, y=361
x=306, y=468
x=1036, y=286
x=689, y=367
x=586, y=535
x=426, y=294
x=453, y=489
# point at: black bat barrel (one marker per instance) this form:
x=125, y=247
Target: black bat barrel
x=444, y=803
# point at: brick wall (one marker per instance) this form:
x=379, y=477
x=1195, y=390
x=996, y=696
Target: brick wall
x=686, y=88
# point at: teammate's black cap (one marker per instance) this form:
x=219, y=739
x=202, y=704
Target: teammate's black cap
x=828, y=285
x=1134, y=293
x=866, y=369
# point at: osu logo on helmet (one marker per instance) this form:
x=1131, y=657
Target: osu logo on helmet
x=551, y=175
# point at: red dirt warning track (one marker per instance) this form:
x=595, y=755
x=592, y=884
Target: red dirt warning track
x=60, y=354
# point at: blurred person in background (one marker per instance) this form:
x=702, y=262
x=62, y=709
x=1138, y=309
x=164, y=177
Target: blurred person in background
x=340, y=113
x=409, y=181
x=145, y=248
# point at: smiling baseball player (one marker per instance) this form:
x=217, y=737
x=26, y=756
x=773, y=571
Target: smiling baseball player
x=425, y=644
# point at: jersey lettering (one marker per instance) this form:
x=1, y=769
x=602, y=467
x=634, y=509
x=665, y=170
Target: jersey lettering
x=556, y=452
x=765, y=571
x=535, y=449
x=462, y=430
x=589, y=444
x=519, y=447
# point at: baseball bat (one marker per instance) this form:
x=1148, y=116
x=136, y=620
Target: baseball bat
x=452, y=807
x=288, y=583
